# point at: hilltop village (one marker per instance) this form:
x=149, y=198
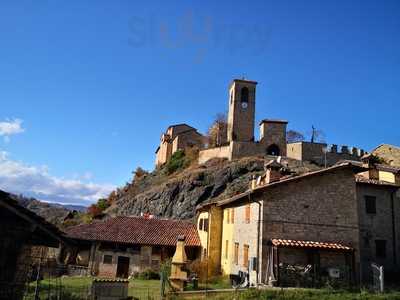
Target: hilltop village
x=239, y=141
x=261, y=212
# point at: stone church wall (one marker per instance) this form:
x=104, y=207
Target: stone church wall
x=217, y=152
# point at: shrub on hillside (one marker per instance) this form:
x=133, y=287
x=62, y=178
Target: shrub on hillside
x=176, y=162
x=94, y=211
x=102, y=204
x=182, y=159
x=139, y=173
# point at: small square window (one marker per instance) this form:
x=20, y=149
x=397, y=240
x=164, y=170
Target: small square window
x=370, y=204
x=107, y=259
x=380, y=248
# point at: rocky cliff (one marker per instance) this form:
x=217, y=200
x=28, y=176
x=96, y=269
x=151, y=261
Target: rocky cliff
x=178, y=194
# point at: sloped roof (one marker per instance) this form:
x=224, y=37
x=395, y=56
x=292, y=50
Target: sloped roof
x=309, y=245
x=181, y=125
x=49, y=229
x=386, y=168
x=137, y=230
x=362, y=179
x=354, y=166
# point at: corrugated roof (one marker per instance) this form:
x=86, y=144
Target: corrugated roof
x=309, y=244
x=137, y=230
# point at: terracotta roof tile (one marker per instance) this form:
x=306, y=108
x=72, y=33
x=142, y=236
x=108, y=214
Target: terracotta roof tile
x=137, y=230
x=309, y=244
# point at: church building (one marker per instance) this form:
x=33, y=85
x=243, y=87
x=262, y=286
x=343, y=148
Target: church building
x=240, y=140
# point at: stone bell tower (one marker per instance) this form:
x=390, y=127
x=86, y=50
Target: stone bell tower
x=242, y=102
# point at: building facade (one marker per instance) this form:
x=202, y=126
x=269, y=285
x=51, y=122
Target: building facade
x=177, y=137
x=316, y=222
x=124, y=246
x=322, y=153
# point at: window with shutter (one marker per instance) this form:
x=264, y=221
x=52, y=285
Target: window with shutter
x=247, y=213
x=236, y=253
x=246, y=256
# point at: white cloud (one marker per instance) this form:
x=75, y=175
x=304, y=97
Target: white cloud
x=35, y=181
x=9, y=128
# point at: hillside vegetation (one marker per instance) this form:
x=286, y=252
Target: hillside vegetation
x=175, y=190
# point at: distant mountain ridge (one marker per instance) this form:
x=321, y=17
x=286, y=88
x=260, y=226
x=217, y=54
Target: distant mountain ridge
x=52, y=212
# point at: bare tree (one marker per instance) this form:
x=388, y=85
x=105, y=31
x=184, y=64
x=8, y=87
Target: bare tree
x=293, y=136
x=217, y=133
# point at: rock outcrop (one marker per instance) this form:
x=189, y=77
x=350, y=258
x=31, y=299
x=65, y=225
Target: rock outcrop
x=176, y=196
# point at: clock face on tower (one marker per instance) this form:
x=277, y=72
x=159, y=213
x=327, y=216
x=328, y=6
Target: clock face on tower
x=244, y=104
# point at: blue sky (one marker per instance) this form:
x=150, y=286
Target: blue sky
x=90, y=85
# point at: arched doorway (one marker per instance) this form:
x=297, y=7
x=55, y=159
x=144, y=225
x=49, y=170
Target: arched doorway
x=273, y=150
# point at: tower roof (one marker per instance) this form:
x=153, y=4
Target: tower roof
x=243, y=80
x=273, y=121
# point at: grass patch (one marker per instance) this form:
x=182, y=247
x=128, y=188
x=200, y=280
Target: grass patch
x=77, y=288
x=305, y=294
x=212, y=284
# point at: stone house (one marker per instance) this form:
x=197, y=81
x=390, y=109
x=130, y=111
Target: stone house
x=314, y=222
x=378, y=199
x=122, y=246
x=177, y=137
x=25, y=239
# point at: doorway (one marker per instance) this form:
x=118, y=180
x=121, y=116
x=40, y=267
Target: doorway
x=123, y=267
x=273, y=150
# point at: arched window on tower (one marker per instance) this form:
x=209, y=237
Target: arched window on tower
x=244, y=95
x=273, y=150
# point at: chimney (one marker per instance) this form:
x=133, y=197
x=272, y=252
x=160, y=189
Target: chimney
x=273, y=171
x=253, y=184
x=369, y=162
